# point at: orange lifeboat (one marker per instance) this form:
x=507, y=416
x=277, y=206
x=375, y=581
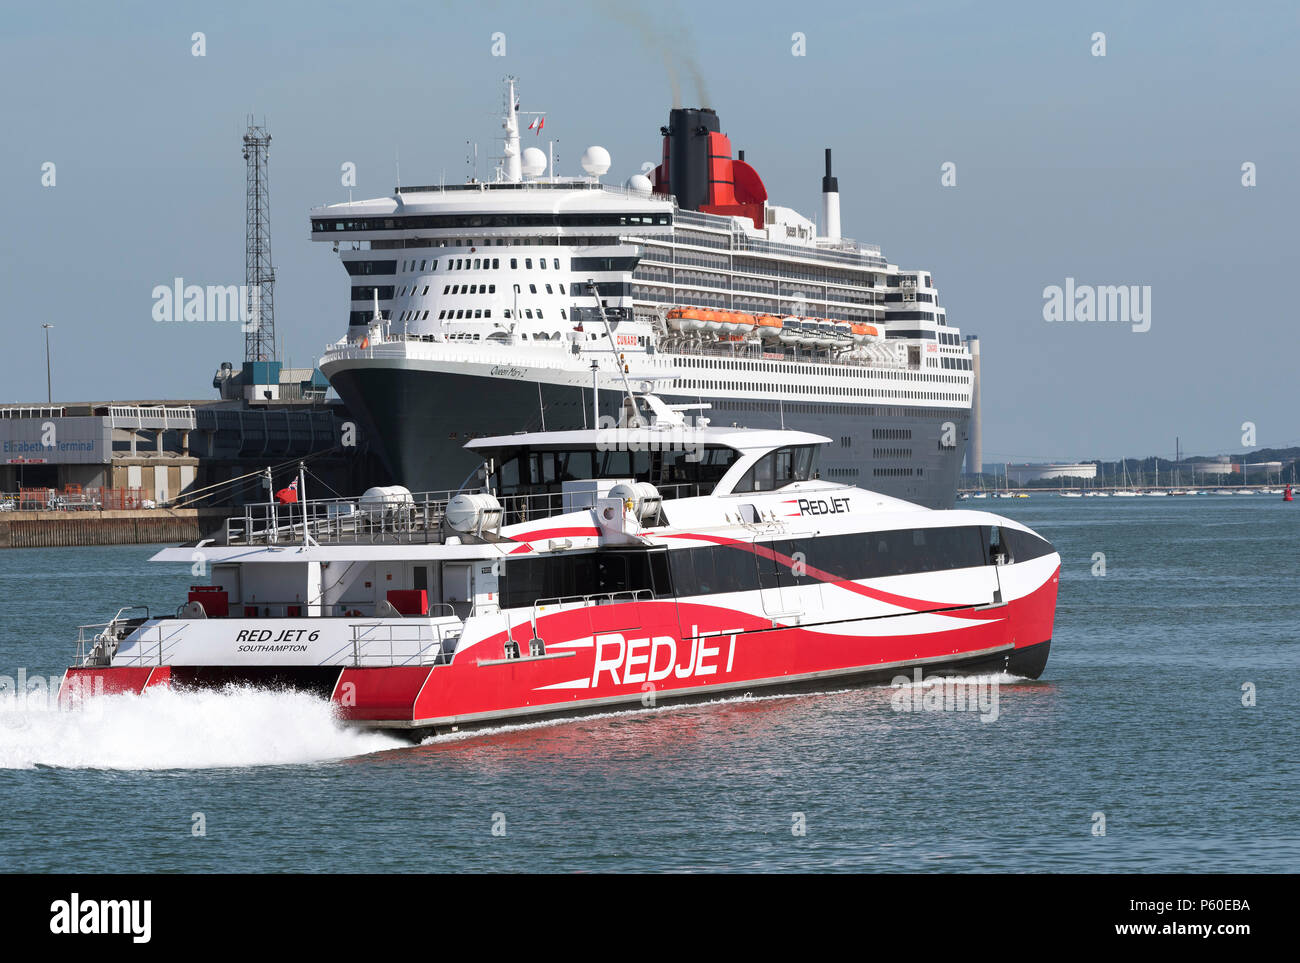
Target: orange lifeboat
x=687, y=320
x=864, y=332
x=742, y=323
x=768, y=326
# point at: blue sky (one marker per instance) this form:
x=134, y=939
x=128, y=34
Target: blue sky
x=1123, y=169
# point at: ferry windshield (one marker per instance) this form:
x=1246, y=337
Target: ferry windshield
x=529, y=471
x=781, y=467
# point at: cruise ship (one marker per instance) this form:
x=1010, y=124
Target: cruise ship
x=534, y=301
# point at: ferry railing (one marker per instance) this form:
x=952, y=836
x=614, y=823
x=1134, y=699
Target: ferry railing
x=406, y=519
x=414, y=519
x=101, y=644
x=589, y=601
x=103, y=635
x=392, y=643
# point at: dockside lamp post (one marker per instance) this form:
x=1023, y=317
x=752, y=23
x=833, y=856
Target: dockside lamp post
x=49, y=384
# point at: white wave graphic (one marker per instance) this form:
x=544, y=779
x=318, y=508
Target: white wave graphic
x=194, y=729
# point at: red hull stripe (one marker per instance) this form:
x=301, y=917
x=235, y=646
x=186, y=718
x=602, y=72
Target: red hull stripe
x=889, y=598
x=541, y=533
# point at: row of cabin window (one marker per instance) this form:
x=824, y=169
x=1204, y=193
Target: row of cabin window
x=713, y=569
x=749, y=567
x=572, y=576
x=835, y=390
x=482, y=264
x=452, y=221
x=488, y=289
x=461, y=314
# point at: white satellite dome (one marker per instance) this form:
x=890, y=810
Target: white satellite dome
x=639, y=183
x=533, y=162
x=595, y=161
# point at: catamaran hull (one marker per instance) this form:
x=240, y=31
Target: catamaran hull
x=641, y=654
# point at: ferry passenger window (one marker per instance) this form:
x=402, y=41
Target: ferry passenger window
x=506, y=314
x=478, y=312
x=556, y=262
x=528, y=313
x=528, y=263
x=539, y=314
x=1022, y=546
x=422, y=265
x=496, y=263
x=563, y=317
x=460, y=313
x=514, y=263
x=492, y=289
x=541, y=263
x=548, y=289
x=434, y=266
x=561, y=288
x=446, y=288
x=532, y=289
x=487, y=313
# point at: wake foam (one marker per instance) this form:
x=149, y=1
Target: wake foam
x=998, y=678
x=194, y=729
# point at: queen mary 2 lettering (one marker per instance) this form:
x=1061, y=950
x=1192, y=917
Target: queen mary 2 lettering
x=527, y=599
x=489, y=307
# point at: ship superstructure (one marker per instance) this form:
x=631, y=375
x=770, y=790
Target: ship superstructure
x=488, y=307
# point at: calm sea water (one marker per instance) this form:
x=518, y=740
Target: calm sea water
x=1139, y=717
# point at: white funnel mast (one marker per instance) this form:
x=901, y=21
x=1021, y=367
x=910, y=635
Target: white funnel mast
x=511, y=170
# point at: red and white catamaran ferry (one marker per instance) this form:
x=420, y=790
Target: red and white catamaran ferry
x=643, y=563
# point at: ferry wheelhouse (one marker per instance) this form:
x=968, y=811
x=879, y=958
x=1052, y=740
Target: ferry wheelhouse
x=650, y=562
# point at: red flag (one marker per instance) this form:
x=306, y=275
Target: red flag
x=288, y=496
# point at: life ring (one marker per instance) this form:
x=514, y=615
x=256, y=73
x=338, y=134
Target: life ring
x=353, y=613
x=365, y=342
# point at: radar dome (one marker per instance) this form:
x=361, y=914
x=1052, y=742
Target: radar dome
x=640, y=183
x=533, y=162
x=595, y=161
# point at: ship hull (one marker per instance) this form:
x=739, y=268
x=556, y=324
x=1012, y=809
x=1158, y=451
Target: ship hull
x=650, y=653
x=421, y=418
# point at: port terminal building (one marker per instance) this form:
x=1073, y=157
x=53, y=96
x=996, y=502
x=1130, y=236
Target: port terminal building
x=171, y=452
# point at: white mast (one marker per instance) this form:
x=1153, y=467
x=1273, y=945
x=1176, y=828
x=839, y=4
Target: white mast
x=510, y=169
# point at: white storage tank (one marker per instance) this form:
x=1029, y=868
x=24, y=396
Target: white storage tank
x=645, y=498
x=473, y=512
x=385, y=498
